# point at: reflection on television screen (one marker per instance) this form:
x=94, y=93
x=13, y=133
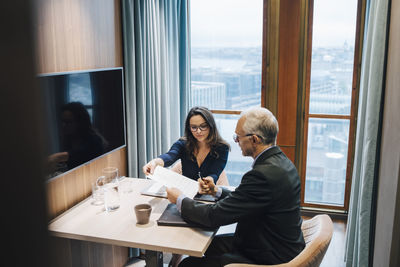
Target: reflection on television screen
x=85, y=116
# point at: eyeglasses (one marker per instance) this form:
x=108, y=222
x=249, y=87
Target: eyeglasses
x=236, y=137
x=202, y=127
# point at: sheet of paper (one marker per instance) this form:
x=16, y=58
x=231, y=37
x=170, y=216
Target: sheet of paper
x=170, y=178
x=156, y=188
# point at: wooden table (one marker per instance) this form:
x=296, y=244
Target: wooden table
x=92, y=223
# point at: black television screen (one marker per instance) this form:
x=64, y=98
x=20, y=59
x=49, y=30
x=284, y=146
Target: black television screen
x=85, y=116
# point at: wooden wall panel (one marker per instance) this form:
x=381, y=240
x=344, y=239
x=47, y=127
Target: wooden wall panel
x=78, y=35
x=73, y=253
x=119, y=256
x=290, y=152
x=61, y=252
x=269, y=92
x=68, y=190
x=289, y=41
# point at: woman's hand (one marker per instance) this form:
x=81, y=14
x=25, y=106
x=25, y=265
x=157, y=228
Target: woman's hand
x=207, y=186
x=151, y=165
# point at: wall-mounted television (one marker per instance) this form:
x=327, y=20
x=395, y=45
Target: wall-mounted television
x=85, y=116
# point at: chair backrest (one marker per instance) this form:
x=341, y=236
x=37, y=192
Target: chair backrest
x=222, y=179
x=317, y=235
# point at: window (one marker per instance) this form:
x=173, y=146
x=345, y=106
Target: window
x=226, y=60
x=230, y=73
x=79, y=90
x=330, y=103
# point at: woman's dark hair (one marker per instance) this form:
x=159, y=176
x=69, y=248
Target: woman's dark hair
x=81, y=117
x=213, y=140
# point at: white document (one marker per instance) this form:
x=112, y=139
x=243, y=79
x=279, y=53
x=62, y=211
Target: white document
x=168, y=178
x=156, y=188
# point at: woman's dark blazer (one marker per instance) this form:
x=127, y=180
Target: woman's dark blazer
x=213, y=164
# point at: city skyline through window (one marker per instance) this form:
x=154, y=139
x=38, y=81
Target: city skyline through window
x=330, y=101
x=226, y=57
x=226, y=65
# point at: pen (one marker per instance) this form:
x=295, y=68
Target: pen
x=205, y=189
x=200, y=176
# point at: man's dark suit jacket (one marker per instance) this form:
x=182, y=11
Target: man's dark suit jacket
x=266, y=207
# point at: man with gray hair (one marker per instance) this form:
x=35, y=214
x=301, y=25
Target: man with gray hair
x=266, y=204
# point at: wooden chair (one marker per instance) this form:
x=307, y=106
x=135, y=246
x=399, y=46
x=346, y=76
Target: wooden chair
x=317, y=234
x=222, y=179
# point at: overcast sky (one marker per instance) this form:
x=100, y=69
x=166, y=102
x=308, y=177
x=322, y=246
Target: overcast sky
x=239, y=22
x=222, y=22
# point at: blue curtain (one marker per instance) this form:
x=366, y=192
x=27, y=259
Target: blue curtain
x=361, y=209
x=157, y=76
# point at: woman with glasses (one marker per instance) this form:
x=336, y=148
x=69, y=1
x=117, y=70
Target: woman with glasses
x=201, y=150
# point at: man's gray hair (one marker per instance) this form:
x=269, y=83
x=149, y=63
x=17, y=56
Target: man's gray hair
x=260, y=121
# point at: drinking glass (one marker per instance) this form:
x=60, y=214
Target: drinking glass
x=111, y=196
x=125, y=185
x=110, y=187
x=110, y=174
x=97, y=191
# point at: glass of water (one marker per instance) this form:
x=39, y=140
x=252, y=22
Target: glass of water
x=111, y=196
x=110, y=174
x=97, y=191
x=110, y=188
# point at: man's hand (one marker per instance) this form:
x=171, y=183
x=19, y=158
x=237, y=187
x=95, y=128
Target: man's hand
x=207, y=186
x=173, y=194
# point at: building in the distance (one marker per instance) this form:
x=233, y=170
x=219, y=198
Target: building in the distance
x=209, y=94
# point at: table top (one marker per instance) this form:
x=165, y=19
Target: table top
x=88, y=222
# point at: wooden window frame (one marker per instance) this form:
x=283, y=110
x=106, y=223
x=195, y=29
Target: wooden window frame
x=278, y=31
x=264, y=64
x=308, y=15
